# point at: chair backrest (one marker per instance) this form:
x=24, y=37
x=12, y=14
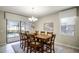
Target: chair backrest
x=53, y=37
x=49, y=33
x=27, y=32
x=23, y=36
x=36, y=32
x=32, y=37
x=42, y=32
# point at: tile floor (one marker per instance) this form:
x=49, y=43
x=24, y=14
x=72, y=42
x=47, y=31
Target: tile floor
x=7, y=48
x=59, y=49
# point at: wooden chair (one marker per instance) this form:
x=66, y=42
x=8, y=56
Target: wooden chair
x=50, y=43
x=36, y=32
x=42, y=32
x=27, y=42
x=35, y=45
x=49, y=33
x=23, y=39
x=27, y=32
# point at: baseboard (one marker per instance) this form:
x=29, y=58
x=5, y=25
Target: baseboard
x=67, y=45
x=2, y=44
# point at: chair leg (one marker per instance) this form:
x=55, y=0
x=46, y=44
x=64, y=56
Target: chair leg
x=30, y=49
x=27, y=49
x=24, y=45
x=53, y=49
x=35, y=50
x=20, y=43
x=50, y=50
x=23, y=48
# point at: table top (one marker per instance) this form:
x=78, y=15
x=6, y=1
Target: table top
x=43, y=36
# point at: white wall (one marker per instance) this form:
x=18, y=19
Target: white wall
x=2, y=28
x=48, y=19
x=55, y=18
x=10, y=16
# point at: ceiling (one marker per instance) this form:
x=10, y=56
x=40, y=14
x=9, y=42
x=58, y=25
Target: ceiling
x=37, y=11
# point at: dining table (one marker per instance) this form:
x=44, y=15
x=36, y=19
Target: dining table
x=43, y=38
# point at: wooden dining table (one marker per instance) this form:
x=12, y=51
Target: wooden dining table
x=43, y=38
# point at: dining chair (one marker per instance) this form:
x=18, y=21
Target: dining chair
x=35, y=45
x=42, y=32
x=27, y=45
x=49, y=33
x=36, y=32
x=23, y=39
x=50, y=44
x=27, y=32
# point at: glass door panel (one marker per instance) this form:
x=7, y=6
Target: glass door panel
x=26, y=26
x=13, y=29
x=23, y=28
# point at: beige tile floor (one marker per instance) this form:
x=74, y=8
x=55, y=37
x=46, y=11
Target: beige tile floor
x=59, y=49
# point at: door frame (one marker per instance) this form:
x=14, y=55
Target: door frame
x=7, y=31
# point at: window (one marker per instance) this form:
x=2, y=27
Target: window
x=67, y=25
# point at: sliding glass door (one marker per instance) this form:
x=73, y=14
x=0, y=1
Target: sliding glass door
x=13, y=29
x=16, y=27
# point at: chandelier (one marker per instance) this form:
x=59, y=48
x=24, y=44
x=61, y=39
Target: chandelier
x=33, y=19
